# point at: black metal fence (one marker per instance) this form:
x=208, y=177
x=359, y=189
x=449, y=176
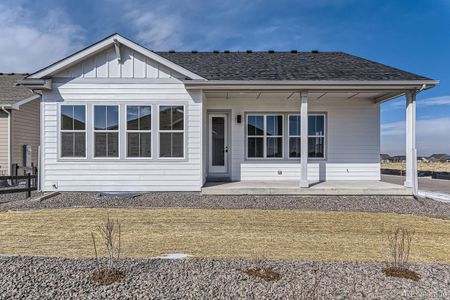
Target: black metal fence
x=20, y=183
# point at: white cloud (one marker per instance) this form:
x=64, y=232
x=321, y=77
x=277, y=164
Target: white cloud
x=427, y=102
x=158, y=31
x=443, y=100
x=432, y=136
x=33, y=40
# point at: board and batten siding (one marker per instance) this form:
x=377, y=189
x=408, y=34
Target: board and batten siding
x=25, y=131
x=106, y=65
x=122, y=174
x=4, y=147
x=352, y=140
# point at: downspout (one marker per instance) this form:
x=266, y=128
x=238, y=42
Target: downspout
x=9, y=139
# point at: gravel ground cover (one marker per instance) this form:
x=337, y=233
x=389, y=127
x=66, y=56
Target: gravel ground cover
x=396, y=204
x=51, y=278
x=22, y=197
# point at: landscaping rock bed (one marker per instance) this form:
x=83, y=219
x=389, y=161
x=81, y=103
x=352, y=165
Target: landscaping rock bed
x=51, y=278
x=397, y=204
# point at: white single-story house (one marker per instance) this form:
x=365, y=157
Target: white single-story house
x=19, y=126
x=116, y=116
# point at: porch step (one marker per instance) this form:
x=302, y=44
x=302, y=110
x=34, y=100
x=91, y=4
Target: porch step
x=292, y=188
x=218, y=179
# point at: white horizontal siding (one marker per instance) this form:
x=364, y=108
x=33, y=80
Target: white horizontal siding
x=352, y=147
x=4, y=144
x=122, y=174
x=106, y=65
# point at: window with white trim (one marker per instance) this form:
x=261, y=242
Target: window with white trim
x=73, y=131
x=316, y=136
x=264, y=136
x=139, y=131
x=106, y=131
x=171, y=131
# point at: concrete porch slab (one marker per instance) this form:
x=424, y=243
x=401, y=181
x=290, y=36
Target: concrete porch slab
x=293, y=188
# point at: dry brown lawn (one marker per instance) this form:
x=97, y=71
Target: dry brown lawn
x=421, y=166
x=220, y=233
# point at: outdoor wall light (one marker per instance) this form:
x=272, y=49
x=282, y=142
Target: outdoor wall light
x=239, y=119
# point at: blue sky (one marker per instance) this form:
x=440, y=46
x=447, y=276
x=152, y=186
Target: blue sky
x=411, y=35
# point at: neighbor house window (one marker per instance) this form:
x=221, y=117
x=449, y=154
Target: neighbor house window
x=106, y=131
x=139, y=131
x=316, y=136
x=73, y=131
x=171, y=131
x=264, y=136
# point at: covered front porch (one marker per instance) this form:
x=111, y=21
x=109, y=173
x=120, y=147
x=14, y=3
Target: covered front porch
x=323, y=140
x=361, y=187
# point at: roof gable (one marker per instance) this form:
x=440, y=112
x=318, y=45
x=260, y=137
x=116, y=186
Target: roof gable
x=10, y=93
x=117, y=46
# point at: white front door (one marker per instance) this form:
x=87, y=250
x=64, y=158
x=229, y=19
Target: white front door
x=218, y=143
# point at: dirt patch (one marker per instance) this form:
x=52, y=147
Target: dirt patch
x=107, y=276
x=421, y=166
x=264, y=273
x=401, y=273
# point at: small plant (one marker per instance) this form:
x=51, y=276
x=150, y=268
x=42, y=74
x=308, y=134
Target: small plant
x=400, y=241
x=312, y=291
x=262, y=272
x=110, y=234
x=400, y=246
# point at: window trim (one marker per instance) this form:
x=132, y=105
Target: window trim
x=158, y=133
x=60, y=131
x=93, y=130
x=265, y=136
x=139, y=131
x=325, y=140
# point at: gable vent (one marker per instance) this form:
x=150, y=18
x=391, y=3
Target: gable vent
x=271, y=51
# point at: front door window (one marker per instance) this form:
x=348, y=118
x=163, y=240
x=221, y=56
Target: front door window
x=218, y=149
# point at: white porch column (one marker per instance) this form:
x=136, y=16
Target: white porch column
x=304, y=140
x=411, y=152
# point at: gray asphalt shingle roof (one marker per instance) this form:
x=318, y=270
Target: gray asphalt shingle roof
x=285, y=66
x=9, y=92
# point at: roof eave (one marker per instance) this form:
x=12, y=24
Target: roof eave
x=36, y=84
x=311, y=84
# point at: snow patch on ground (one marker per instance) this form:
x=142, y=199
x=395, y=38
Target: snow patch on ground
x=173, y=256
x=435, y=196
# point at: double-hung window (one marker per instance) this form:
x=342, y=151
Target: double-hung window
x=73, y=131
x=264, y=136
x=316, y=136
x=139, y=131
x=171, y=131
x=106, y=131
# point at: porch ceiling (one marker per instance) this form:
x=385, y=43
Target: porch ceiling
x=376, y=96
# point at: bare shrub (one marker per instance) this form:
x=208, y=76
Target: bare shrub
x=400, y=241
x=110, y=235
x=400, y=246
x=311, y=291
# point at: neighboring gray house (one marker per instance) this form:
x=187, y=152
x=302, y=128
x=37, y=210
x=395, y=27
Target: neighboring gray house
x=116, y=116
x=19, y=123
